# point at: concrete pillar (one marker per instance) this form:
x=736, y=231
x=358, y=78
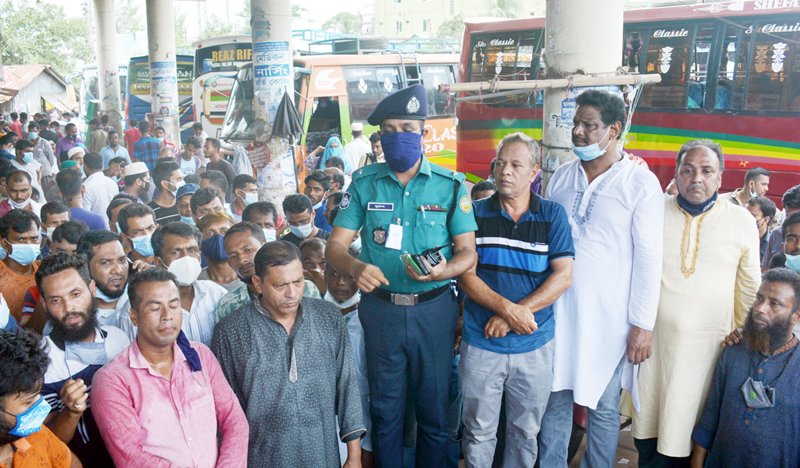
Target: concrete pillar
x=271, y=26
x=107, y=63
x=163, y=68
x=581, y=36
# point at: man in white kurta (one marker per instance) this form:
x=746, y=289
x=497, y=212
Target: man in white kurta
x=615, y=209
x=709, y=280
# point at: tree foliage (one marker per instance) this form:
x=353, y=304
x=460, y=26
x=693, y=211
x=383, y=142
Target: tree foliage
x=344, y=22
x=452, y=28
x=216, y=27
x=504, y=8
x=32, y=36
x=181, y=30
x=130, y=16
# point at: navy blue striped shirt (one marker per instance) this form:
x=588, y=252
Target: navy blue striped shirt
x=513, y=260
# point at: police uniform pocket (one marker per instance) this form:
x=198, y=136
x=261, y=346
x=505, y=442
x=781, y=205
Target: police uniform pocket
x=377, y=227
x=430, y=230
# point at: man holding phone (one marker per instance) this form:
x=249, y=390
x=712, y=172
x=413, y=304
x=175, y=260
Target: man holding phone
x=406, y=206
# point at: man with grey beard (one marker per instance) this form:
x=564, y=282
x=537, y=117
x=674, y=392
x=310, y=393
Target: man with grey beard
x=78, y=347
x=752, y=413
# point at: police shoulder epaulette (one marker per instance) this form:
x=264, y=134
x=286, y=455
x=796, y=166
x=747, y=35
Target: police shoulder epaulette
x=365, y=171
x=448, y=173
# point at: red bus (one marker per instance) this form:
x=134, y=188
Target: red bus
x=751, y=49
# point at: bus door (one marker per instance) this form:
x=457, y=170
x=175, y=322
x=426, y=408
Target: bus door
x=322, y=117
x=440, y=142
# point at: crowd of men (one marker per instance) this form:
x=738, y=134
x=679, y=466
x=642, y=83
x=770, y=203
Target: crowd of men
x=387, y=317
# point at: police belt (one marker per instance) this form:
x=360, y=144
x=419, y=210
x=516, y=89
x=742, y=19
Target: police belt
x=409, y=299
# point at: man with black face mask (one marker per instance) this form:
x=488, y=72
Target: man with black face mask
x=406, y=206
x=23, y=363
x=752, y=413
x=78, y=347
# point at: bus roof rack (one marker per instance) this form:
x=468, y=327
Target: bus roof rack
x=382, y=45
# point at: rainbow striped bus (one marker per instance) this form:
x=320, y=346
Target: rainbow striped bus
x=751, y=105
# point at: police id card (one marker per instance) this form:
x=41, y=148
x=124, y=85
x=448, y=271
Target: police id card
x=394, y=239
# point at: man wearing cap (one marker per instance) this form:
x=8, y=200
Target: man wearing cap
x=137, y=181
x=406, y=206
x=76, y=154
x=357, y=148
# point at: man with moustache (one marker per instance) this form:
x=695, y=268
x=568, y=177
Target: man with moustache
x=290, y=363
x=109, y=268
x=752, y=414
x=78, y=347
x=242, y=242
x=710, y=274
x=163, y=401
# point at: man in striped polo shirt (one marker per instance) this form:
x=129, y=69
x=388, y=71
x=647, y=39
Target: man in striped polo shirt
x=525, y=256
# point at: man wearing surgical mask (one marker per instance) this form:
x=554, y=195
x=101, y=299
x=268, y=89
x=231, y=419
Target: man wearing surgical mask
x=23, y=437
x=137, y=223
x=265, y=215
x=168, y=178
x=18, y=186
x=245, y=189
x=300, y=215
x=242, y=242
x=24, y=161
x=177, y=248
x=19, y=237
x=317, y=185
x=78, y=347
x=70, y=139
x=791, y=241
x=43, y=154
x=110, y=269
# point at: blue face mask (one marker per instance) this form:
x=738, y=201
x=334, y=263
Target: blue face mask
x=30, y=422
x=27, y=157
x=591, y=152
x=33, y=135
x=214, y=248
x=142, y=245
x=401, y=150
x=3, y=253
x=793, y=262
x=188, y=220
x=24, y=254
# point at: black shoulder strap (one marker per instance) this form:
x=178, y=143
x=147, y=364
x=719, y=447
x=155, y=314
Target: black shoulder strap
x=456, y=186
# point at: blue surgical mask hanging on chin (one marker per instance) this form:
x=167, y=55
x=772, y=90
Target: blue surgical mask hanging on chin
x=593, y=151
x=401, y=150
x=793, y=262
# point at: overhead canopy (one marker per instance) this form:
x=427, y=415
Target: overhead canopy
x=60, y=101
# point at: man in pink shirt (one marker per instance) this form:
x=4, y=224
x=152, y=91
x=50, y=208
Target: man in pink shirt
x=161, y=402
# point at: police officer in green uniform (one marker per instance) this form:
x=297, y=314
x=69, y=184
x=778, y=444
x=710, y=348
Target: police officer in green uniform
x=406, y=205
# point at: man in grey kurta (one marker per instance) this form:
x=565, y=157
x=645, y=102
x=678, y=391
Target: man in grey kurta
x=289, y=360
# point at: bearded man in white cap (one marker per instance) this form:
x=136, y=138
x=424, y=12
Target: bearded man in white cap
x=137, y=181
x=358, y=147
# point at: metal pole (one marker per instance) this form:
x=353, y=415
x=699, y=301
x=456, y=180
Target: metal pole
x=271, y=25
x=107, y=66
x=582, y=36
x=163, y=68
x=530, y=85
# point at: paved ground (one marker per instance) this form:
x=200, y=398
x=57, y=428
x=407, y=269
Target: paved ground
x=627, y=456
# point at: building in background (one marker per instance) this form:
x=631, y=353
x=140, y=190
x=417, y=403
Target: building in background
x=24, y=86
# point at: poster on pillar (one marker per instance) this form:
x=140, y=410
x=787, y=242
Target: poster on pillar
x=568, y=104
x=164, y=85
x=272, y=63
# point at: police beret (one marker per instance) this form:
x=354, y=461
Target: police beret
x=409, y=103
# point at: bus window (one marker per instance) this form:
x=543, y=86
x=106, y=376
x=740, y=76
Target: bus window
x=668, y=55
x=742, y=54
x=698, y=75
x=632, y=49
x=507, y=57
x=366, y=86
x=439, y=104
x=727, y=68
x=774, y=82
